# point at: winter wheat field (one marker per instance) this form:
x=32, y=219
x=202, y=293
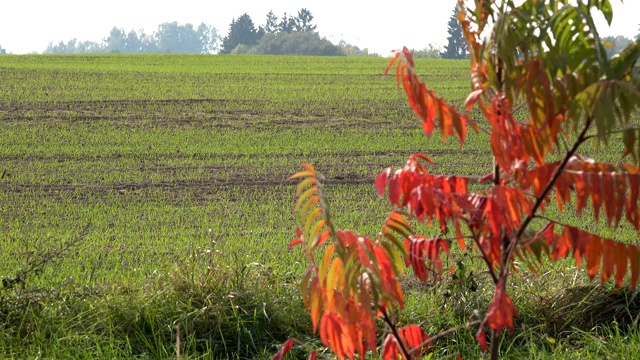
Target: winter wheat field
x=145, y=213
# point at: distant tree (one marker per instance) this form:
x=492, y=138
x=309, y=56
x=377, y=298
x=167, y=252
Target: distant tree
x=241, y=31
x=74, y=46
x=209, y=38
x=2, y=50
x=132, y=43
x=119, y=41
x=170, y=37
x=176, y=38
x=615, y=44
x=89, y=47
x=271, y=23
x=352, y=50
x=148, y=43
x=62, y=47
x=116, y=40
x=303, y=21
x=432, y=51
x=294, y=43
x=287, y=23
x=457, y=46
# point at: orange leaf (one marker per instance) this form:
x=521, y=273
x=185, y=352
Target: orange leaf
x=594, y=256
x=315, y=301
x=423, y=157
x=334, y=334
x=301, y=174
x=608, y=259
x=321, y=239
x=392, y=61
x=634, y=258
x=621, y=260
x=609, y=197
x=308, y=167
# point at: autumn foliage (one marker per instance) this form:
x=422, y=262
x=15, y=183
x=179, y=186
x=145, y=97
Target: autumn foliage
x=574, y=94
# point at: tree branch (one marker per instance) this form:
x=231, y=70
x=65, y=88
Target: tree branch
x=494, y=277
x=540, y=200
x=394, y=330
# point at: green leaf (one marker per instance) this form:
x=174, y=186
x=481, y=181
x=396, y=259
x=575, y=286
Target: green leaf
x=630, y=139
x=623, y=64
x=605, y=7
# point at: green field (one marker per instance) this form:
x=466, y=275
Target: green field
x=143, y=201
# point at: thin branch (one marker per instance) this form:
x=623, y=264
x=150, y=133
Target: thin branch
x=486, y=260
x=612, y=132
x=455, y=238
x=394, y=330
x=496, y=172
x=551, y=220
x=483, y=129
x=495, y=342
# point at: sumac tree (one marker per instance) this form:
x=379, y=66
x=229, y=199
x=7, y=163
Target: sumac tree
x=546, y=57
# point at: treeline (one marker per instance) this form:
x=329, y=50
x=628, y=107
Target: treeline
x=289, y=35
x=615, y=44
x=169, y=38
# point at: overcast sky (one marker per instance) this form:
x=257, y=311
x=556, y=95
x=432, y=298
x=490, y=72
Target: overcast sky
x=380, y=26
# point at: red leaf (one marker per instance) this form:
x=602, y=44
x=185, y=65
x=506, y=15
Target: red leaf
x=312, y=356
x=501, y=310
x=390, y=348
x=472, y=98
x=295, y=242
x=395, y=188
x=486, y=178
x=482, y=338
x=283, y=350
x=381, y=181
x=608, y=259
x=415, y=339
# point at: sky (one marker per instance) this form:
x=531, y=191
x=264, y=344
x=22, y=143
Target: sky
x=381, y=26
